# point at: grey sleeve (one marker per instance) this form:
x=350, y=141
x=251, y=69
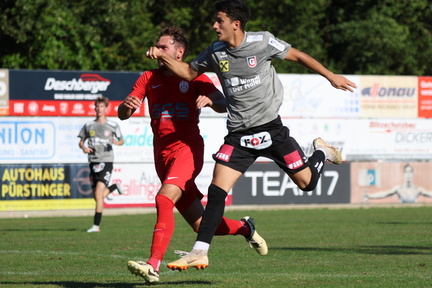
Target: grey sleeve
x=82, y=133
x=276, y=47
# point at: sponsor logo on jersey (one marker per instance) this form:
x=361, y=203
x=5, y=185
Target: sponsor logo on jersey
x=273, y=42
x=251, y=61
x=98, y=167
x=223, y=54
x=224, y=66
x=254, y=38
x=224, y=153
x=184, y=86
x=293, y=160
x=257, y=141
x=173, y=111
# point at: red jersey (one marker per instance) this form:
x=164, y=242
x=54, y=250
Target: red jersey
x=172, y=107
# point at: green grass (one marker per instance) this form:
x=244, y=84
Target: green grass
x=376, y=247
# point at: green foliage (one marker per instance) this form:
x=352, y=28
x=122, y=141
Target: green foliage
x=392, y=37
x=389, y=37
x=364, y=46
x=296, y=22
x=84, y=35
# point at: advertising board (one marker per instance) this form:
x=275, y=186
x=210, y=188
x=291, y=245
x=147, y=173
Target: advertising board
x=67, y=93
x=391, y=182
x=388, y=96
x=425, y=97
x=45, y=187
x=4, y=92
x=266, y=183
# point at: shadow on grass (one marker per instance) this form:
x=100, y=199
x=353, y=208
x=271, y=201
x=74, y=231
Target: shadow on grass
x=376, y=250
x=69, y=284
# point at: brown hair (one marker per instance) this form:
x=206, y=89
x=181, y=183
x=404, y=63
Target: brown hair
x=177, y=34
x=104, y=100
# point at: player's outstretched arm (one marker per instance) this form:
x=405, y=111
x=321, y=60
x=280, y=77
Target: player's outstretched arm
x=337, y=81
x=179, y=68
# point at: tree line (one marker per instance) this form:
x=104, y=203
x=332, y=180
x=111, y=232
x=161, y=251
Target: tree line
x=378, y=37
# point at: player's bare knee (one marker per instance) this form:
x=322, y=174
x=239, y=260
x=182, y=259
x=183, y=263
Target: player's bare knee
x=195, y=226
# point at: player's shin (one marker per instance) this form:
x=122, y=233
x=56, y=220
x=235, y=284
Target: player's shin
x=212, y=214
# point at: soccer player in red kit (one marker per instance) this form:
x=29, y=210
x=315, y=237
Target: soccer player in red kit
x=174, y=106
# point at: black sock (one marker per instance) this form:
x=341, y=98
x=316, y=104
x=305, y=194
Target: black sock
x=212, y=215
x=317, y=160
x=316, y=164
x=97, y=218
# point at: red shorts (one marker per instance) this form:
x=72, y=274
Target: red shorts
x=180, y=167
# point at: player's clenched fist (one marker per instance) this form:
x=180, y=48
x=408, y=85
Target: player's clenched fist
x=132, y=102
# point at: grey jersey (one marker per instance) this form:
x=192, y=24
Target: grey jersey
x=100, y=137
x=251, y=86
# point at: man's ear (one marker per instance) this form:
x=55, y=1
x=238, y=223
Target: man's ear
x=237, y=24
x=180, y=53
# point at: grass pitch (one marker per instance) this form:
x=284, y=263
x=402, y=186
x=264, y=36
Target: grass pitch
x=376, y=247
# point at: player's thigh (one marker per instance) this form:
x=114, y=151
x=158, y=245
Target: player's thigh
x=225, y=177
x=182, y=167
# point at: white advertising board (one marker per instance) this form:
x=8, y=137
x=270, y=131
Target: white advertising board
x=389, y=139
x=313, y=96
x=367, y=139
x=55, y=139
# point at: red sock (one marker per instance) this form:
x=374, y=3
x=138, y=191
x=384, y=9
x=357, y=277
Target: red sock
x=233, y=227
x=163, y=230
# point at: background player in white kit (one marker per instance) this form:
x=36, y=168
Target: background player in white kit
x=242, y=61
x=101, y=134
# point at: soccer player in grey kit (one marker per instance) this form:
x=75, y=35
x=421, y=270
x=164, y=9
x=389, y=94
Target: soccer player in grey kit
x=242, y=61
x=100, y=134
